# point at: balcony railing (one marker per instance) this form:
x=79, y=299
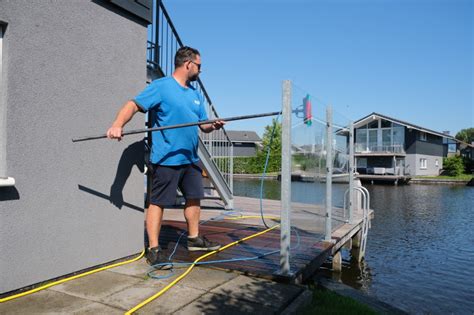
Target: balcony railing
x=364, y=148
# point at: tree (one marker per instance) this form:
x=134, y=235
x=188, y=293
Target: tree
x=466, y=135
x=274, y=162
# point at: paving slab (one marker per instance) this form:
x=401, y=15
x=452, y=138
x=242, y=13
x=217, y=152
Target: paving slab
x=264, y=292
x=221, y=304
x=207, y=278
x=172, y=300
x=51, y=302
x=96, y=286
x=204, y=290
x=137, y=269
x=131, y=296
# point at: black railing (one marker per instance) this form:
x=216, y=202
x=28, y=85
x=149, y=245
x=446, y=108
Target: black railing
x=165, y=41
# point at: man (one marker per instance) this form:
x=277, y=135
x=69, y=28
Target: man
x=174, y=151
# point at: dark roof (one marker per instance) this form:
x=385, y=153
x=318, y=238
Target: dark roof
x=243, y=136
x=407, y=124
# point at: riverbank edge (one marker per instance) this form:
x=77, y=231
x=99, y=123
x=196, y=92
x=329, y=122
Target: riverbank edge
x=255, y=176
x=414, y=180
x=432, y=181
x=347, y=291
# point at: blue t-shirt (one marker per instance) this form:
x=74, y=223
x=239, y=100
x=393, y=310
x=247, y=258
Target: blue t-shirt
x=173, y=104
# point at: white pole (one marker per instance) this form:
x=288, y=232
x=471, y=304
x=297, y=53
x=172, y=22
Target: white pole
x=285, y=232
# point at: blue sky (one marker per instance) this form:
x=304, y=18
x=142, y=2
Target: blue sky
x=411, y=60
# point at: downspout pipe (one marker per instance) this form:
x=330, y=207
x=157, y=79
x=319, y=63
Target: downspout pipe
x=5, y=181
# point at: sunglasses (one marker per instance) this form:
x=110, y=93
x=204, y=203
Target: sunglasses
x=197, y=64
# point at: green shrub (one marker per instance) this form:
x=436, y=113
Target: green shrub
x=468, y=165
x=253, y=164
x=453, y=166
x=245, y=165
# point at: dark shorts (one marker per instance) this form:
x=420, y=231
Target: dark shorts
x=167, y=179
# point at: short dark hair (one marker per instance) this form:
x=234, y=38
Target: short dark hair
x=184, y=54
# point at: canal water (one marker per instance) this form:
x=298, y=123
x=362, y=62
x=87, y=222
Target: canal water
x=420, y=249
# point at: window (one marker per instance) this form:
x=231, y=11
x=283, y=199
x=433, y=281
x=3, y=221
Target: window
x=362, y=162
x=386, y=123
x=452, y=148
x=373, y=124
x=436, y=163
x=423, y=136
x=361, y=140
x=373, y=139
x=386, y=137
x=399, y=136
x=423, y=164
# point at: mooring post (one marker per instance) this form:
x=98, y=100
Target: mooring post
x=285, y=233
x=328, y=234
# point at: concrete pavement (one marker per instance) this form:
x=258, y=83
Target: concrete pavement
x=203, y=291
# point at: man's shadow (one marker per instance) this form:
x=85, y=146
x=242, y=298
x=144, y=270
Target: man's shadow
x=133, y=155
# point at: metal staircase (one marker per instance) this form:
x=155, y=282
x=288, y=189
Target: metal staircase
x=215, y=149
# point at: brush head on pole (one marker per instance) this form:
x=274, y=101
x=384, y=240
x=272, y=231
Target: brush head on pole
x=308, y=116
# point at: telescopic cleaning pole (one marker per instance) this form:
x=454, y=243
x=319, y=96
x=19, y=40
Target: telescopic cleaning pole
x=135, y=131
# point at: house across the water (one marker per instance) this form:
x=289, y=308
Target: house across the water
x=245, y=143
x=394, y=150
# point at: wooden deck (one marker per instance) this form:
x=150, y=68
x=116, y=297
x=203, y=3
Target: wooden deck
x=308, y=252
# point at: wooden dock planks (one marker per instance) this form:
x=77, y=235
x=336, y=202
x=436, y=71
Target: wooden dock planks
x=306, y=248
x=306, y=219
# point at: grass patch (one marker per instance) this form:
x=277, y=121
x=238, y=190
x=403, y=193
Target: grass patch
x=328, y=302
x=460, y=177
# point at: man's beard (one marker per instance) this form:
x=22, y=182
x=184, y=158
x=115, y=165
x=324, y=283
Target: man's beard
x=194, y=78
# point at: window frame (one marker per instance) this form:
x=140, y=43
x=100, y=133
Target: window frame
x=451, y=146
x=423, y=164
x=423, y=136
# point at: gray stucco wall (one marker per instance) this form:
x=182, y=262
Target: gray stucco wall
x=68, y=67
x=412, y=164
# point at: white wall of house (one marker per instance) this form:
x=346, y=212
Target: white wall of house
x=423, y=165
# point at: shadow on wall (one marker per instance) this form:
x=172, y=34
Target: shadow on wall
x=9, y=193
x=133, y=155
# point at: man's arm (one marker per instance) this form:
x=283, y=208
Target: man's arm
x=211, y=127
x=123, y=117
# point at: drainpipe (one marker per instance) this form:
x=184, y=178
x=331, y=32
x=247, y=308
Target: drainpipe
x=5, y=181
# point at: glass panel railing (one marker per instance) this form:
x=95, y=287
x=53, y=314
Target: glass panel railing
x=320, y=156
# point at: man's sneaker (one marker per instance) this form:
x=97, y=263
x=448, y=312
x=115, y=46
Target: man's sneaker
x=156, y=258
x=202, y=243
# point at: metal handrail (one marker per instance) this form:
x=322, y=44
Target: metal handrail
x=180, y=42
x=160, y=58
x=366, y=224
x=365, y=201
